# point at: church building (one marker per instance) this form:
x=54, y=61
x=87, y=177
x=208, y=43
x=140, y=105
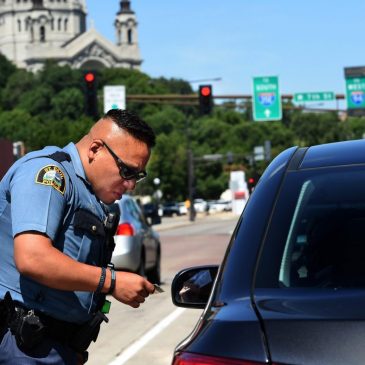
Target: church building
x=33, y=31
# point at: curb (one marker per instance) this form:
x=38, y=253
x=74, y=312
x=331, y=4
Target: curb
x=186, y=222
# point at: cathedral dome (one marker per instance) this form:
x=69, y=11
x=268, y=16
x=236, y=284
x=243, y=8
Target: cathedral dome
x=33, y=31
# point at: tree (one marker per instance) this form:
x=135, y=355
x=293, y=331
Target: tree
x=19, y=83
x=68, y=104
x=167, y=120
x=168, y=163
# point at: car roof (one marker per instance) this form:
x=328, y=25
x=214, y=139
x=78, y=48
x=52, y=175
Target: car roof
x=332, y=154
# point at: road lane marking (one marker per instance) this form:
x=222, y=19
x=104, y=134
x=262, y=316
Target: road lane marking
x=153, y=332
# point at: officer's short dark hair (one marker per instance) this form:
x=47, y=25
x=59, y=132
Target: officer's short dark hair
x=132, y=124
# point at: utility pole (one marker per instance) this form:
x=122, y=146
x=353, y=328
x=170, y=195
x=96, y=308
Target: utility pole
x=191, y=184
x=190, y=161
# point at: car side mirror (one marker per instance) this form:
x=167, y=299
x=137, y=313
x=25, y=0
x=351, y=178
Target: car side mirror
x=191, y=287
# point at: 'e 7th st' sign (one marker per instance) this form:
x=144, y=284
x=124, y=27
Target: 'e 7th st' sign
x=318, y=96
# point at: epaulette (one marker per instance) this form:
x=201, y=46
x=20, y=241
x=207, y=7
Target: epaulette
x=60, y=156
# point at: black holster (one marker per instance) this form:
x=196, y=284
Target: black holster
x=88, y=332
x=25, y=325
x=30, y=328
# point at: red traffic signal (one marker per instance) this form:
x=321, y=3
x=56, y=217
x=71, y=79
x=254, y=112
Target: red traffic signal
x=206, y=91
x=91, y=93
x=252, y=182
x=89, y=77
x=205, y=99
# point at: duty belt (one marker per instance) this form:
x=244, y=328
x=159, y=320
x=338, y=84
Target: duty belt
x=31, y=327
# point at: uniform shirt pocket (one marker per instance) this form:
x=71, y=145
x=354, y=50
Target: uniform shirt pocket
x=90, y=229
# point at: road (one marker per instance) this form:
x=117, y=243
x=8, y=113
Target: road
x=150, y=333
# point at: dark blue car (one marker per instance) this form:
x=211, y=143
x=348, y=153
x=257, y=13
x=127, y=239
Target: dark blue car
x=291, y=287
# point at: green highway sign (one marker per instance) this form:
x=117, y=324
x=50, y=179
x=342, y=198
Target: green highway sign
x=266, y=99
x=355, y=92
x=318, y=96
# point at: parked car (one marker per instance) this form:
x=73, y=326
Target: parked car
x=219, y=206
x=182, y=208
x=171, y=209
x=137, y=245
x=291, y=287
x=200, y=205
x=152, y=213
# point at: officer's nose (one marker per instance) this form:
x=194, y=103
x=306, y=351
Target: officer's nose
x=129, y=184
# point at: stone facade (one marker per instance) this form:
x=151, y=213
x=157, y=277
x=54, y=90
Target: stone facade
x=32, y=31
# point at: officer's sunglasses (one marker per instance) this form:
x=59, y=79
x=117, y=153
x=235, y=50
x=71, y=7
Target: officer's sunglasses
x=126, y=172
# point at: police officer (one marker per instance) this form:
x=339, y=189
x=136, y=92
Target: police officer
x=52, y=240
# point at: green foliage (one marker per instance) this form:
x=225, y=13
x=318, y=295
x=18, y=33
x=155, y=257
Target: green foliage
x=7, y=69
x=314, y=128
x=167, y=120
x=168, y=163
x=355, y=128
x=19, y=84
x=47, y=108
x=67, y=104
x=59, y=78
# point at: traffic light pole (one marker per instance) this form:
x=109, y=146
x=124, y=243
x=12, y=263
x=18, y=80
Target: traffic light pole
x=190, y=161
x=191, y=184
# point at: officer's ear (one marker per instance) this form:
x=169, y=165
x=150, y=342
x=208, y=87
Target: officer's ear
x=94, y=148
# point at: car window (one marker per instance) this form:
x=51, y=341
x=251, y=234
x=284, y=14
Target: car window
x=135, y=210
x=317, y=234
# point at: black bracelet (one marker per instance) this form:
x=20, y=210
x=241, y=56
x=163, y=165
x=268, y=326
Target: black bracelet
x=101, y=281
x=112, y=282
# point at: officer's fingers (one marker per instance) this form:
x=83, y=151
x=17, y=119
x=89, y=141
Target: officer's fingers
x=149, y=287
x=140, y=299
x=134, y=304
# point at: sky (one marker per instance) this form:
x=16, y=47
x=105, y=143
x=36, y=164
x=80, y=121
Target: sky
x=305, y=43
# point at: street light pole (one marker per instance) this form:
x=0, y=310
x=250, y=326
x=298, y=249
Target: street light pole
x=205, y=80
x=190, y=168
x=191, y=184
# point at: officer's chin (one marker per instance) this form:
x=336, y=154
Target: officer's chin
x=107, y=201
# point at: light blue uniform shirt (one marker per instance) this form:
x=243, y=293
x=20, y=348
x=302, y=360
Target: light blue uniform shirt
x=54, y=198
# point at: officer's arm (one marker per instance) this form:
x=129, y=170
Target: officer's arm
x=37, y=258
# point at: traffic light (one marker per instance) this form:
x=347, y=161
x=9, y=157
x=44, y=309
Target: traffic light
x=205, y=99
x=91, y=94
x=229, y=158
x=251, y=184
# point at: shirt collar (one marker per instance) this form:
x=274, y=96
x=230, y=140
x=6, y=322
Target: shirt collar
x=76, y=160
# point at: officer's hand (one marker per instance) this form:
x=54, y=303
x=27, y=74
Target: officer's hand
x=132, y=289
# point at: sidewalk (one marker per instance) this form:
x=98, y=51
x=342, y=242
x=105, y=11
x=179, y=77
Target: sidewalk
x=181, y=221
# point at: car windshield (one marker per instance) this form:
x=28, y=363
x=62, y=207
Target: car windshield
x=317, y=234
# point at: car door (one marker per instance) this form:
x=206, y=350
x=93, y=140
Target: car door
x=310, y=281
x=147, y=238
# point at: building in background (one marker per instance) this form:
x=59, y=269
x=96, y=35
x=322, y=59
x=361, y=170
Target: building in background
x=33, y=31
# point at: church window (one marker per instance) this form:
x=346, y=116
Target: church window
x=26, y=24
x=19, y=25
x=42, y=33
x=66, y=24
x=119, y=32
x=52, y=24
x=130, y=36
x=59, y=23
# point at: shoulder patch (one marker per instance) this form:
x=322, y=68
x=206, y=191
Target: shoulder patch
x=52, y=175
